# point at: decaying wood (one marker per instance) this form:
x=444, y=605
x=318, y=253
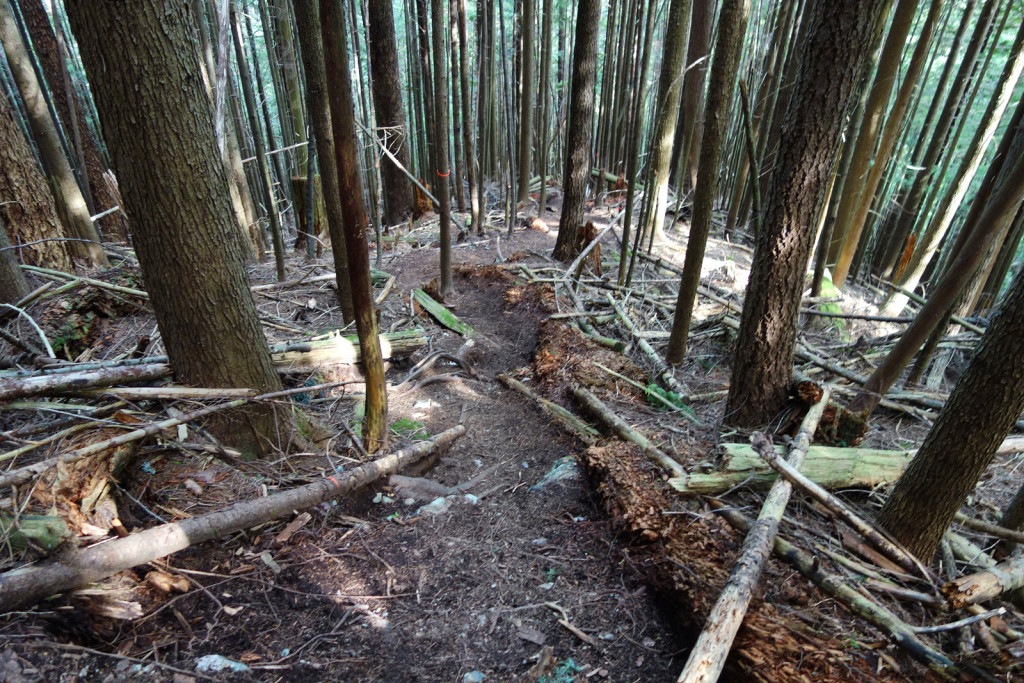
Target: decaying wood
x=835, y=586
x=343, y=350
x=619, y=426
x=20, y=387
x=23, y=474
x=707, y=658
x=20, y=588
x=1002, y=578
x=570, y=422
x=44, y=531
x=879, y=540
x=827, y=466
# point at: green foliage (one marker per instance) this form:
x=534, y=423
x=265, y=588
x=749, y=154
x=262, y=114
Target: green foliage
x=412, y=429
x=670, y=396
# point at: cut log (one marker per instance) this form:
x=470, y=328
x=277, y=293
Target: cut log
x=707, y=658
x=23, y=587
x=343, y=350
x=441, y=314
x=827, y=466
x=619, y=426
x=569, y=422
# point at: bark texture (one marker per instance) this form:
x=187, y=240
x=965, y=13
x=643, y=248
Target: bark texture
x=986, y=401
x=145, y=74
x=26, y=202
x=580, y=128
x=838, y=44
x=386, y=86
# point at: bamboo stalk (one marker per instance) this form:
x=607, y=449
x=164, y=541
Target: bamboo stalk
x=707, y=658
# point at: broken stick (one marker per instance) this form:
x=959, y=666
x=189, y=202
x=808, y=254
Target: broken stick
x=707, y=659
x=20, y=588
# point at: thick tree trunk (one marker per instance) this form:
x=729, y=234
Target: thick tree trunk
x=143, y=66
x=839, y=40
x=27, y=213
x=580, y=128
x=12, y=281
x=985, y=403
x=71, y=112
x=67, y=194
x=339, y=93
x=386, y=85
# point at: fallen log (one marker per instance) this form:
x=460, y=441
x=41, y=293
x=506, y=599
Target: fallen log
x=22, y=587
x=876, y=538
x=441, y=314
x=619, y=426
x=569, y=422
x=707, y=658
x=836, y=587
x=829, y=467
x=291, y=357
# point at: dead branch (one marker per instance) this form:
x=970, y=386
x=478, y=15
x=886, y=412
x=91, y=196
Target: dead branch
x=707, y=658
x=836, y=587
x=23, y=587
x=567, y=420
x=880, y=541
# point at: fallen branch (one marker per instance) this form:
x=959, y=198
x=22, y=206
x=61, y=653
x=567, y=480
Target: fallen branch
x=836, y=587
x=707, y=658
x=619, y=426
x=21, y=588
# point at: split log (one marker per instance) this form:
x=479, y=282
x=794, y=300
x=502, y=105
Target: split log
x=836, y=587
x=827, y=466
x=707, y=658
x=619, y=426
x=880, y=541
x=569, y=422
x=1002, y=578
x=23, y=587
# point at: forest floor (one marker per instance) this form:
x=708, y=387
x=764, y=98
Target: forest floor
x=540, y=574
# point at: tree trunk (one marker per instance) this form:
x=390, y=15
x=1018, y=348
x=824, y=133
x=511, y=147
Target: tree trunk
x=442, y=169
x=283, y=30
x=732, y=24
x=983, y=407
x=580, y=128
x=27, y=213
x=686, y=150
x=839, y=40
x=386, y=86
x=71, y=111
x=528, y=88
x=13, y=285
x=339, y=92
x=875, y=112
x=260, y=146
x=307, y=25
x=995, y=203
x=472, y=163
x=67, y=194
x=143, y=66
